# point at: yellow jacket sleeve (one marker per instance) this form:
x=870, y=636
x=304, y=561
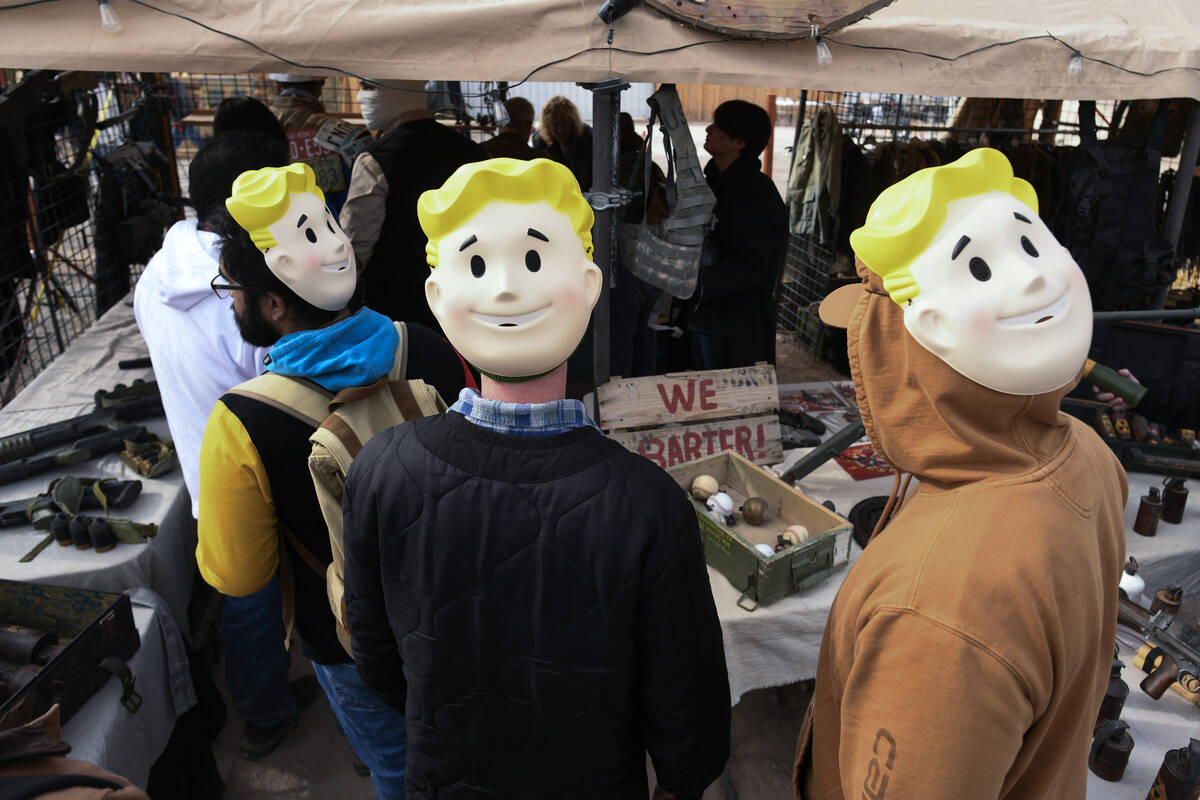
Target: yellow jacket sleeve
x=238, y=548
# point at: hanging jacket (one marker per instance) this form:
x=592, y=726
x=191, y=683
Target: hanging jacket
x=815, y=183
x=1105, y=215
x=968, y=649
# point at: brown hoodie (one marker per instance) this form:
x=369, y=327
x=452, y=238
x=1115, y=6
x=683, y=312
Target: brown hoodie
x=969, y=646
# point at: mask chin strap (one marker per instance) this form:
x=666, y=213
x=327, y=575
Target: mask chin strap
x=522, y=379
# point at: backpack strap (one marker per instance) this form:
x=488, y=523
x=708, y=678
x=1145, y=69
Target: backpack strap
x=308, y=402
x=297, y=397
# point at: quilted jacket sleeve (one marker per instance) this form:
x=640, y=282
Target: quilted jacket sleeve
x=375, y=650
x=682, y=682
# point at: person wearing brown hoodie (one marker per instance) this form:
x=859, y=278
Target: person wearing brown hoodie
x=969, y=647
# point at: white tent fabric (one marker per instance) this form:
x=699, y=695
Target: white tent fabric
x=507, y=39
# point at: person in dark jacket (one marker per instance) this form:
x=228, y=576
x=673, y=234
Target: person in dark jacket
x=512, y=141
x=415, y=152
x=563, y=136
x=732, y=320
x=533, y=595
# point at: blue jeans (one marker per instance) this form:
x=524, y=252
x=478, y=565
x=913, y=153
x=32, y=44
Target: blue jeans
x=376, y=731
x=256, y=661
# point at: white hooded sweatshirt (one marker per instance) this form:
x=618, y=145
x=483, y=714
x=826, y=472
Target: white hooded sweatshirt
x=195, y=347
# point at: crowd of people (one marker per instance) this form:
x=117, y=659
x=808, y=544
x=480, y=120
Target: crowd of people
x=526, y=610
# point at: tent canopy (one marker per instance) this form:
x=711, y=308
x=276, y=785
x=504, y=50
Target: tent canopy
x=507, y=40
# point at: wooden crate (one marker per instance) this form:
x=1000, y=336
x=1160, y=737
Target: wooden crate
x=731, y=550
x=684, y=416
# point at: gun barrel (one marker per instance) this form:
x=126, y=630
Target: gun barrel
x=824, y=451
x=36, y=440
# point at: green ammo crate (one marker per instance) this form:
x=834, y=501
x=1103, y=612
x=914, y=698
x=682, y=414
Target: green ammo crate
x=763, y=579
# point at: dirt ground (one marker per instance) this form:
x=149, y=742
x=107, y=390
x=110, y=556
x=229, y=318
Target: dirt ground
x=315, y=759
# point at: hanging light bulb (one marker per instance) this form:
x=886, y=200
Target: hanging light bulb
x=824, y=56
x=108, y=18
x=1075, y=65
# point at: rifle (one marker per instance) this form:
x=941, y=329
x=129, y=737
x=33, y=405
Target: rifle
x=824, y=451
x=84, y=449
x=114, y=410
x=1176, y=653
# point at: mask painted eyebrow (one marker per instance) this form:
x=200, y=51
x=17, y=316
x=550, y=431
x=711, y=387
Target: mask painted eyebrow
x=958, y=248
x=1022, y=217
x=303, y=218
x=538, y=235
x=468, y=243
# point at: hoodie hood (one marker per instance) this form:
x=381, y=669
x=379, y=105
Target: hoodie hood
x=188, y=259
x=926, y=418
x=356, y=351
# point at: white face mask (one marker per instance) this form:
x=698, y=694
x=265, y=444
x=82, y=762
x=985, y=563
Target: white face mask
x=514, y=289
x=313, y=256
x=380, y=107
x=1000, y=300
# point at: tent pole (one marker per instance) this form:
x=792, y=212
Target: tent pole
x=1173, y=227
x=606, y=153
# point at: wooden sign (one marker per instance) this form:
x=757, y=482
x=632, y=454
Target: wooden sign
x=688, y=397
x=685, y=416
x=768, y=19
x=756, y=438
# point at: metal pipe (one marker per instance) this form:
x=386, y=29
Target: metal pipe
x=606, y=108
x=1173, y=313
x=1173, y=226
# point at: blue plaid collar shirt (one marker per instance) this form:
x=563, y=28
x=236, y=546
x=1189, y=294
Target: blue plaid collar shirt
x=522, y=419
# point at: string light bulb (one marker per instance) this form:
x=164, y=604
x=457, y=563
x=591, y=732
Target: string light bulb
x=1075, y=65
x=108, y=18
x=824, y=56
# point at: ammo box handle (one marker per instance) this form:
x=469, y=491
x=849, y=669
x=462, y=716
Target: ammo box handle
x=746, y=602
x=799, y=564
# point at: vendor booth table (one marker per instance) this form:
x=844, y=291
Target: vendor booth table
x=157, y=574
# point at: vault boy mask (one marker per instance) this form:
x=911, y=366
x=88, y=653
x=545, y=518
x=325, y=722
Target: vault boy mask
x=983, y=283
x=284, y=211
x=513, y=283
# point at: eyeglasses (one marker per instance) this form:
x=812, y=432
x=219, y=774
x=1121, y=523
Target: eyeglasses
x=223, y=290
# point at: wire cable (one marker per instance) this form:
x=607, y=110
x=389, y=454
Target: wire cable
x=27, y=3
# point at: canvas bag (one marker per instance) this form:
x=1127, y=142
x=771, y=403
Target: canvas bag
x=667, y=256
x=344, y=422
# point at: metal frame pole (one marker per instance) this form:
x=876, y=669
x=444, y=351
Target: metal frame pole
x=606, y=109
x=1173, y=226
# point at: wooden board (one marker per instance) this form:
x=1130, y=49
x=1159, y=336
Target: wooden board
x=687, y=397
x=768, y=19
x=756, y=438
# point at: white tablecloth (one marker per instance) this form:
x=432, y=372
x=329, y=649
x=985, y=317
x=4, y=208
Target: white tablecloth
x=157, y=575
x=66, y=389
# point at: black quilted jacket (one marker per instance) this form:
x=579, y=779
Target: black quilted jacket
x=539, y=609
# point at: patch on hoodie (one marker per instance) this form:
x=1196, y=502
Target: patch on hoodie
x=879, y=769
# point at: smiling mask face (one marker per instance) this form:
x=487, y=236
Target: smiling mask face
x=284, y=211
x=313, y=256
x=999, y=299
x=513, y=289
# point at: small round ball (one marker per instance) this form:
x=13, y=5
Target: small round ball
x=721, y=503
x=754, y=510
x=795, y=534
x=704, y=486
